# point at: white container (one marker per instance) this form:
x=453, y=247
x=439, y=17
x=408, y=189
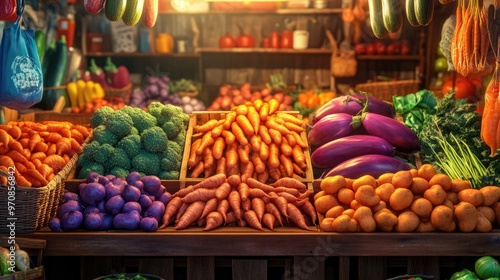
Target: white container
x=300, y=39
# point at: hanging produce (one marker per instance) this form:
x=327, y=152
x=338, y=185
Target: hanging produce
x=469, y=45
x=490, y=132
x=130, y=12
x=376, y=19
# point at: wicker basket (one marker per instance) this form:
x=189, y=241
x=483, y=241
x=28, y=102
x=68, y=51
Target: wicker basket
x=385, y=90
x=33, y=207
x=123, y=92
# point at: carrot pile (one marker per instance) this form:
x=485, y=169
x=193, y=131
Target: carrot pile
x=253, y=140
x=417, y=200
x=38, y=151
x=219, y=200
x=490, y=120
x=470, y=43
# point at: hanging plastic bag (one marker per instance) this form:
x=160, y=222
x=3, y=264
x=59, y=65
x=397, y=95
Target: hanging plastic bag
x=21, y=80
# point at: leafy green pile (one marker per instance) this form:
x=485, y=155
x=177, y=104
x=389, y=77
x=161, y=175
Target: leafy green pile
x=416, y=108
x=458, y=118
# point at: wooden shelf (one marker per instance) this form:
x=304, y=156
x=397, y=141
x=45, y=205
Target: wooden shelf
x=263, y=50
x=285, y=241
x=308, y=11
x=388, y=57
x=141, y=54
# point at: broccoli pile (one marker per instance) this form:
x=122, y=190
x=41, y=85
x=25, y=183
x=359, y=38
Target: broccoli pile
x=149, y=141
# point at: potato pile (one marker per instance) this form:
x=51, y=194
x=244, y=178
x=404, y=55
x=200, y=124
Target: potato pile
x=416, y=200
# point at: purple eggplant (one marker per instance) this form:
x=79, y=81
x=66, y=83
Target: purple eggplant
x=336, y=151
x=353, y=105
x=399, y=135
x=332, y=127
x=374, y=165
x=93, y=6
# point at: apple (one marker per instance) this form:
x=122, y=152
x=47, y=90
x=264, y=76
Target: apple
x=380, y=47
x=405, y=47
x=360, y=49
x=370, y=49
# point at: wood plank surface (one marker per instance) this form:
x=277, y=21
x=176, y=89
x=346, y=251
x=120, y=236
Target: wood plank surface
x=286, y=241
x=161, y=267
x=249, y=269
x=200, y=268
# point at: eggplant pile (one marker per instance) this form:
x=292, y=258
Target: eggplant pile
x=356, y=135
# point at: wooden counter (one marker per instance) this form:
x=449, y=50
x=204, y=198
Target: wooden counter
x=232, y=241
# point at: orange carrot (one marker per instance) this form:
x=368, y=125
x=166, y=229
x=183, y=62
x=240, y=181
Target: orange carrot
x=20, y=167
x=35, y=139
x=51, y=150
x=234, y=180
x=255, y=143
x=258, y=104
x=272, y=124
x=75, y=134
x=259, y=207
x=217, y=131
x=209, y=171
x=36, y=174
x=285, y=148
x=281, y=204
x=235, y=203
x=290, y=139
x=16, y=146
x=305, y=194
x=230, y=218
x=262, y=177
x=232, y=155
x=268, y=221
x=264, y=112
x=299, y=140
x=243, y=153
x=241, y=223
x=239, y=134
x=274, y=105
x=252, y=220
x=309, y=210
x=223, y=208
x=208, y=126
x=287, y=164
x=21, y=180
x=24, y=142
x=75, y=146
x=63, y=146
x=41, y=147
x=65, y=132
x=289, y=183
x=264, y=135
x=6, y=161
x=255, y=184
x=208, y=158
x=45, y=170
x=214, y=220
x=206, y=141
x=273, y=158
x=274, y=173
x=15, y=132
x=53, y=137
x=218, y=147
x=38, y=155
x=299, y=157
x=297, y=170
x=180, y=212
x=253, y=192
x=289, y=197
x=258, y=164
x=208, y=183
x=192, y=160
x=228, y=137
x=293, y=127
x=210, y=206
x=241, y=110
x=291, y=191
x=296, y=216
x=276, y=136
x=85, y=132
x=5, y=138
x=198, y=169
x=223, y=191
x=16, y=156
x=245, y=125
x=230, y=118
x=233, y=171
x=55, y=126
x=273, y=210
x=264, y=151
x=221, y=167
x=246, y=205
x=193, y=213
x=246, y=171
x=254, y=118
x=290, y=118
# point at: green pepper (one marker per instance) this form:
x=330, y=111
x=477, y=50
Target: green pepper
x=487, y=267
x=464, y=274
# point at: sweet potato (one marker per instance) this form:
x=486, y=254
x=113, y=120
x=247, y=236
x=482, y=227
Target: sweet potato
x=364, y=216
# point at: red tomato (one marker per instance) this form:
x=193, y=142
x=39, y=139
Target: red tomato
x=463, y=88
x=227, y=42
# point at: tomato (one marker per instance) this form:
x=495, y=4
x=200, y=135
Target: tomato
x=227, y=42
x=463, y=88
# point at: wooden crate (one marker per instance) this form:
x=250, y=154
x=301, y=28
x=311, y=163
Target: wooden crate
x=204, y=116
x=80, y=118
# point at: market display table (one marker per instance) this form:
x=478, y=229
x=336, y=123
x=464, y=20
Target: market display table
x=305, y=247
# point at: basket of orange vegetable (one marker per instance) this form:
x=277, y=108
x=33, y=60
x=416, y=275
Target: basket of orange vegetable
x=306, y=102
x=34, y=159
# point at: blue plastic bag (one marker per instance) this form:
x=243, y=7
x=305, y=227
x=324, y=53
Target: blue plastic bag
x=21, y=79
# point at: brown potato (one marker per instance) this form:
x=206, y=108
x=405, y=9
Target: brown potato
x=419, y=185
x=422, y=207
x=345, y=196
x=483, y=224
x=407, y=222
x=442, y=218
x=326, y=224
x=332, y=184
x=466, y=215
x=425, y=226
x=491, y=194
x=354, y=226
x=348, y=183
x=458, y=185
x=325, y=203
x=414, y=172
x=384, y=178
x=473, y=196
x=385, y=219
x=401, y=199
x=441, y=179
x=334, y=212
x=385, y=191
x=365, y=195
x=349, y=212
x=354, y=204
x=402, y=179
x=450, y=205
x=488, y=212
x=364, y=216
x=435, y=194
x=319, y=194
x=364, y=180
x=496, y=208
x=381, y=205
x=427, y=171
x=452, y=196
x=342, y=224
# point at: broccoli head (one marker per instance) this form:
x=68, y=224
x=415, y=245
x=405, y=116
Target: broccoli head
x=104, y=136
x=119, y=158
x=155, y=110
x=89, y=150
x=131, y=144
x=103, y=153
x=180, y=139
x=170, y=129
x=120, y=124
x=175, y=150
x=119, y=172
x=90, y=166
x=134, y=131
x=100, y=116
x=170, y=110
x=146, y=162
x=141, y=119
x=154, y=140
x=169, y=163
x=169, y=175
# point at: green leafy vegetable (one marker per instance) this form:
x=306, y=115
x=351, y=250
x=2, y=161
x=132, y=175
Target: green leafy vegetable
x=416, y=108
